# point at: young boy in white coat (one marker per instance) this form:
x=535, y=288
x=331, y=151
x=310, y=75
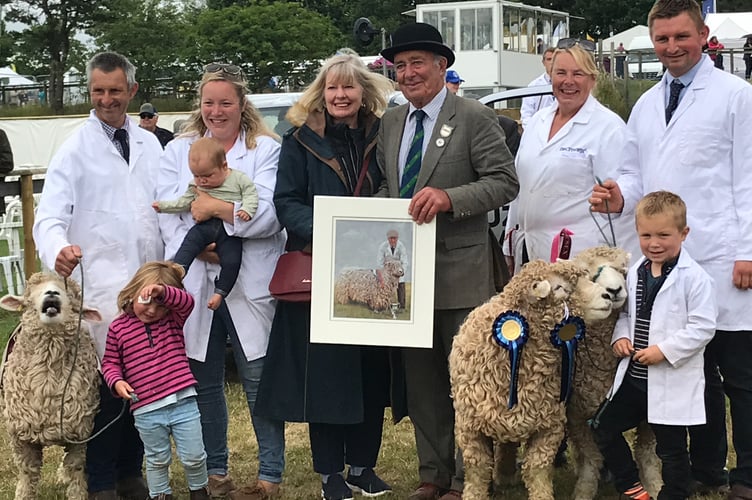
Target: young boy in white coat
x=661, y=339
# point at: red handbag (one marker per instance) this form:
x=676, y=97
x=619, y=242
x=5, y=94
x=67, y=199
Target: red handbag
x=291, y=281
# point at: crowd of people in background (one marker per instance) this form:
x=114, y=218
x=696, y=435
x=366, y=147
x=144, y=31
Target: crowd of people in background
x=679, y=169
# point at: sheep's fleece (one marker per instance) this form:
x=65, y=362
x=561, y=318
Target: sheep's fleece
x=480, y=375
x=34, y=382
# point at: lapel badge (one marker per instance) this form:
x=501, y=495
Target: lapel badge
x=440, y=142
x=446, y=131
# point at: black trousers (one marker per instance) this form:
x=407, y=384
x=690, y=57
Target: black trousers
x=708, y=445
x=731, y=352
x=118, y=452
x=229, y=249
x=628, y=408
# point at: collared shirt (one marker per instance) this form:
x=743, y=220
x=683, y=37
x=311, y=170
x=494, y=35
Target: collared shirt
x=686, y=79
x=432, y=110
x=110, y=131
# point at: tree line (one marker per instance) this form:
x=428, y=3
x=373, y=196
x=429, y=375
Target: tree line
x=274, y=42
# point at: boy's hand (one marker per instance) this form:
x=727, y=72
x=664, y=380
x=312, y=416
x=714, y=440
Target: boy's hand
x=243, y=215
x=651, y=355
x=155, y=205
x=622, y=348
x=123, y=389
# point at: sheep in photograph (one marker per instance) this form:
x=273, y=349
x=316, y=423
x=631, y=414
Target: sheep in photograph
x=596, y=365
x=52, y=367
x=480, y=375
x=374, y=288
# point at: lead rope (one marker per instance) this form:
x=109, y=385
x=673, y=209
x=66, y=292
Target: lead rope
x=73, y=366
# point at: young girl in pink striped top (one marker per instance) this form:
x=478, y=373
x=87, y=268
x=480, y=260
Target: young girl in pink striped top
x=145, y=363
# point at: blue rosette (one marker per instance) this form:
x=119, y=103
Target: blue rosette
x=510, y=331
x=565, y=336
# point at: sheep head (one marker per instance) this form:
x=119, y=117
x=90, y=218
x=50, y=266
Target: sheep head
x=393, y=267
x=49, y=301
x=607, y=266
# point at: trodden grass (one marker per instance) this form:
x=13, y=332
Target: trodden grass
x=397, y=462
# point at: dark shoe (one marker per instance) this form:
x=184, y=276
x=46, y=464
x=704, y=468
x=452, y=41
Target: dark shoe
x=426, y=491
x=202, y=494
x=107, y=495
x=703, y=489
x=162, y=496
x=132, y=488
x=451, y=495
x=336, y=489
x=220, y=486
x=739, y=492
x=368, y=484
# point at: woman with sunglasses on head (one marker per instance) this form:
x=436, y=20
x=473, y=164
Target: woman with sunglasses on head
x=245, y=316
x=566, y=149
x=340, y=390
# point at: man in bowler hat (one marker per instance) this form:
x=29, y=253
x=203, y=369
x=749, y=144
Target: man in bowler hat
x=447, y=154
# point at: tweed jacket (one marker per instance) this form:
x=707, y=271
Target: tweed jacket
x=475, y=168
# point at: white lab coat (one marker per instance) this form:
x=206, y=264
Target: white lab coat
x=705, y=156
x=557, y=177
x=681, y=325
x=531, y=105
x=400, y=253
x=92, y=199
x=250, y=304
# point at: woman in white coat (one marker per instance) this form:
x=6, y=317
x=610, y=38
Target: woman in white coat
x=225, y=114
x=564, y=150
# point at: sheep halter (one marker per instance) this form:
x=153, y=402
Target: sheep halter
x=510, y=330
x=565, y=336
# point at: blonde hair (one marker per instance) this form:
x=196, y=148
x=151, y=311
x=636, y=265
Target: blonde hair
x=346, y=69
x=666, y=9
x=663, y=203
x=160, y=272
x=211, y=148
x=251, y=121
x=582, y=58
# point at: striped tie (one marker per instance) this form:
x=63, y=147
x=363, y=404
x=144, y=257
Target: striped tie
x=412, y=165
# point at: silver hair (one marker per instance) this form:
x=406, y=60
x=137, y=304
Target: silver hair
x=109, y=62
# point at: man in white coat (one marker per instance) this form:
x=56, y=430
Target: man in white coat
x=95, y=210
x=693, y=139
x=531, y=105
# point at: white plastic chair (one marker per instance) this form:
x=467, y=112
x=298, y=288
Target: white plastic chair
x=12, y=263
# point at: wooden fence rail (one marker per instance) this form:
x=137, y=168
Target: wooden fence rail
x=20, y=182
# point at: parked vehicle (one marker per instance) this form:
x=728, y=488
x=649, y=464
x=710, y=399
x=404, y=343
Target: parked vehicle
x=642, y=62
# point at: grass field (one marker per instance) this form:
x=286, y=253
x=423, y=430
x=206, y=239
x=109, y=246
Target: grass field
x=397, y=462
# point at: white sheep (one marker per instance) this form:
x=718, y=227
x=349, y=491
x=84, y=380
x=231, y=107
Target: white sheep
x=52, y=368
x=596, y=365
x=480, y=374
x=373, y=287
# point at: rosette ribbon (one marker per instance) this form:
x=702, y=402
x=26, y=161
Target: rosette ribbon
x=510, y=331
x=565, y=336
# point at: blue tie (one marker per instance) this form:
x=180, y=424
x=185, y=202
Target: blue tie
x=673, y=99
x=414, y=155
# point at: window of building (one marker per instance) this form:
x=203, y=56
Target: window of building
x=475, y=29
x=442, y=20
x=511, y=23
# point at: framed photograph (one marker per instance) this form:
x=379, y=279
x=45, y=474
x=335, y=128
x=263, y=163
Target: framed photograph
x=373, y=273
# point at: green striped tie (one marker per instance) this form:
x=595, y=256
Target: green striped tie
x=414, y=155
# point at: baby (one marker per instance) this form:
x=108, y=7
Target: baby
x=211, y=174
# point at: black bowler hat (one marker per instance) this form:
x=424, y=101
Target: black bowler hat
x=417, y=36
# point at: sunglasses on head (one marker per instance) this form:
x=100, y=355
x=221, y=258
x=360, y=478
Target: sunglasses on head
x=229, y=69
x=568, y=43
x=147, y=116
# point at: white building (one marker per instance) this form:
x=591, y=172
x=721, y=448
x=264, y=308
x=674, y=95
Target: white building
x=495, y=41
